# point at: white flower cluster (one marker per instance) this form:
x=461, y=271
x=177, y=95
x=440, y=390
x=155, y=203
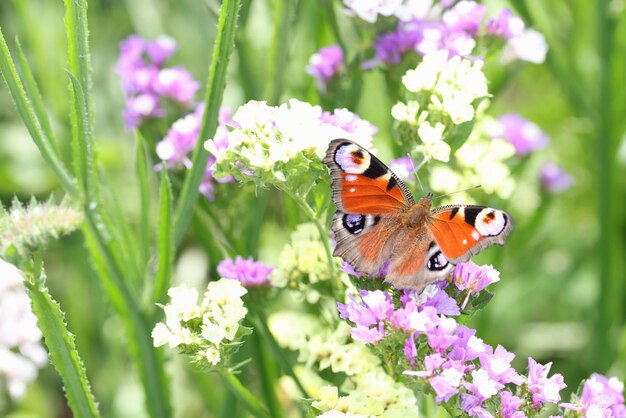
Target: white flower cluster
x=405, y=10
x=201, y=329
x=21, y=352
x=303, y=263
x=275, y=144
x=371, y=391
x=445, y=93
x=480, y=160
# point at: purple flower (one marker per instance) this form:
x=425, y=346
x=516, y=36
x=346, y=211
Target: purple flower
x=325, y=64
x=443, y=303
x=410, y=350
x=465, y=16
x=554, y=178
x=505, y=24
x=472, y=277
x=524, y=135
x=403, y=167
x=391, y=46
x=373, y=309
x=483, y=386
x=249, y=272
x=177, y=84
x=543, y=389
x=510, y=403
x=442, y=335
x=161, y=49
x=348, y=268
x=467, y=347
x=141, y=107
x=601, y=397
x=447, y=383
x=498, y=366
x=181, y=138
x=349, y=122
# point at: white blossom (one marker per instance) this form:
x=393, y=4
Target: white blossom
x=21, y=352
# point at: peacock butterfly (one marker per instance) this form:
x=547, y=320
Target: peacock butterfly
x=378, y=223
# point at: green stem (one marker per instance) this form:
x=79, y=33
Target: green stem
x=323, y=231
x=260, y=325
x=247, y=399
x=224, y=42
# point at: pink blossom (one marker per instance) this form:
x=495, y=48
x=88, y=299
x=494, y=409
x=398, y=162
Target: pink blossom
x=543, y=389
x=247, y=271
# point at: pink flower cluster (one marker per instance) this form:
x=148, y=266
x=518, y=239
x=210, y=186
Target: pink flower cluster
x=181, y=139
x=457, y=362
x=325, y=64
x=601, y=397
x=458, y=30
x=146, y=82
x=247, y=271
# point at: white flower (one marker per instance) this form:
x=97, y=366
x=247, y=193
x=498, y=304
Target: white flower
x=21, y=352
x=212, y=355
x=529, y=46
x=184, y=304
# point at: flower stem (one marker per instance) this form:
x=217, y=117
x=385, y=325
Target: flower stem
x=308, y=210
x=247, y=399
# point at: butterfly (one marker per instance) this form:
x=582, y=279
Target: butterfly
x=378, y=224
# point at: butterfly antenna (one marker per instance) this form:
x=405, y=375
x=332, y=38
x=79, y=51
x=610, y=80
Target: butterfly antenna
x=458, y=191
x=416, y=169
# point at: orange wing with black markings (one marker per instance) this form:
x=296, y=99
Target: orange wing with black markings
x=462, y=231
x=361, y=183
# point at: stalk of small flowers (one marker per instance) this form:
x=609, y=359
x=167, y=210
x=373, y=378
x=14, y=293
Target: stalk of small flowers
x=461, y=29
x=147, y=84
x=303, y=265
x=443, y=120
x=282, y=146
x=21, y=352
x=207, y=331
x=33, y=226
x=455, y=362
x=323, y=350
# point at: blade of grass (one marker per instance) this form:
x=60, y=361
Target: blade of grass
x=248, y=400
x=62, y=349
x=267, y=373
x=32, y=92
x=166, y=256
x=224, y=43
x=31, y=120
x=279, y=52
x=142, y=169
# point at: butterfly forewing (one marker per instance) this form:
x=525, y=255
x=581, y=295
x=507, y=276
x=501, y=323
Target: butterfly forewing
x=361, y=183
x=462, y=231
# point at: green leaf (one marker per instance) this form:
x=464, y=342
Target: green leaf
x=32, y=119
x=279, y=53
x=166, y=256
x=62, y=349
x=459, y=134
x=32, y=92
x=224, y=42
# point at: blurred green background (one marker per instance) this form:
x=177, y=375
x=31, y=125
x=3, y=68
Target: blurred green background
x=561, y=294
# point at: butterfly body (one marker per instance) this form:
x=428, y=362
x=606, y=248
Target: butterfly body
x=379, y=228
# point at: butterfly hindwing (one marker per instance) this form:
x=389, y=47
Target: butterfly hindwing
x=462, y=231
x=362, y=240
x=361, y=183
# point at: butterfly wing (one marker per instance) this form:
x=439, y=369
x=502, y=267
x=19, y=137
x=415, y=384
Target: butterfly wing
x=361, y=183
x=463, y=231
x=368, y=195
x=417, y=262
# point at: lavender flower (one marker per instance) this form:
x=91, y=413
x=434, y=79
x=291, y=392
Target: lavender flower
x=543, y=389
x=177, y=84
x=524, y=135
x=554, y=179
x=529, y=46
x=465, y=16
x=505, y=24
x=145, y=81
x=249, y=272
x=472, y=277
x=325, y=64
